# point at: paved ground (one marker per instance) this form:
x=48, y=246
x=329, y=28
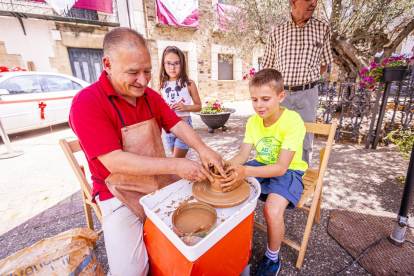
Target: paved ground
x=39, y=195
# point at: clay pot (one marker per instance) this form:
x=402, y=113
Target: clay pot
x=215, y=186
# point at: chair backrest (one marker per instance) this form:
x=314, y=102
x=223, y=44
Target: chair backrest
x=69, y=148
x=323, y=129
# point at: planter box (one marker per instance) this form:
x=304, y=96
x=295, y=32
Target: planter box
x=218, y=120
x=393, y=73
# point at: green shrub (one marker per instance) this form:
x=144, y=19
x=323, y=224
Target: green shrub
x=404, y=141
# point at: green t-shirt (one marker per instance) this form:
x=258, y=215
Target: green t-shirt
x=286, y=133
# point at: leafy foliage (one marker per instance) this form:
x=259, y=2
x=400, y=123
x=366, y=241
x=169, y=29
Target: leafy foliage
x=404, y=141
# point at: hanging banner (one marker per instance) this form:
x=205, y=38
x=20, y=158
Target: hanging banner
x=180, y=13
x=227, y=14
x=95, y=5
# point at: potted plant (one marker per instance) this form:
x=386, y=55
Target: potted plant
x=215, y=115
x=392, y=69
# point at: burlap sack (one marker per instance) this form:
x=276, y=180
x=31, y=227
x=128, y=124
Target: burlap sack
x=68, y=253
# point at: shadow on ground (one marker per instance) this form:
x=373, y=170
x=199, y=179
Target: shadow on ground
x=356, y=179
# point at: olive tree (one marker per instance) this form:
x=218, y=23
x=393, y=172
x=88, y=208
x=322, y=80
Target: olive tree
x=360, y=28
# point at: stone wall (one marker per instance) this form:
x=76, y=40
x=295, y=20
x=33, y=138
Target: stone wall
x=77, y=36
x=9, y=60
x=203, y=38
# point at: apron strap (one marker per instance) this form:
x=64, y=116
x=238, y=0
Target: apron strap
x=149, y=107
x=119, y=114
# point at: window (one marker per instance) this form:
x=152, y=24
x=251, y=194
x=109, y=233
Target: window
x=57, y=83
x=186, y=59
x=22, y=84
x=77, y=85
x=225, y=67
x=260, y=60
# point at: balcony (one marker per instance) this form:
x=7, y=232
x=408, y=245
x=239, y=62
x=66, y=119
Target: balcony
x=30, y=9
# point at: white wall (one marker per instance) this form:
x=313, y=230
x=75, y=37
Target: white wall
x=408, y=45
x=35, y=46
x=237, y=62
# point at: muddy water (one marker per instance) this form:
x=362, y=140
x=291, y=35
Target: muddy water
x=195, y=219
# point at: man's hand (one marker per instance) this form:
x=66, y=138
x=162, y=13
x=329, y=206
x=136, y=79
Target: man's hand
x=190, y=170
x=211, y=158
x=235, y=178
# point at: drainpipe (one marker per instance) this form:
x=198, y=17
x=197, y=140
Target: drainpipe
x=129, y=14
x=144, y=3
x=401, y=225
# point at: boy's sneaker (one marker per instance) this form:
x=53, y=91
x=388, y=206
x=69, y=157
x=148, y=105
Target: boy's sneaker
x=268, y=267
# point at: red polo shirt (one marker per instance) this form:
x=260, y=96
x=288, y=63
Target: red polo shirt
x=95, y=121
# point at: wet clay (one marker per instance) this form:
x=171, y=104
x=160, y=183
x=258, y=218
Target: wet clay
x=202, y=192
x=215, y=185
x=193, y=220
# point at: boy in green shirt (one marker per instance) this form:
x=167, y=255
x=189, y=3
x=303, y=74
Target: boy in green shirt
x=277, y=135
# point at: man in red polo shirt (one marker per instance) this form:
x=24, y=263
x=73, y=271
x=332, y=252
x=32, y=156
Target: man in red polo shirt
x=122, y=100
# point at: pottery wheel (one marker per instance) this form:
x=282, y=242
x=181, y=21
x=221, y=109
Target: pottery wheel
x=203, y=193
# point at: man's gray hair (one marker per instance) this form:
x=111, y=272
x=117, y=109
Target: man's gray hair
x=122, y=37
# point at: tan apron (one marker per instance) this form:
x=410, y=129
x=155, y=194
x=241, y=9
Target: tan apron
x=143, y=139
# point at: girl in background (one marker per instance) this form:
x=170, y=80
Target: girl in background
x=178, y=91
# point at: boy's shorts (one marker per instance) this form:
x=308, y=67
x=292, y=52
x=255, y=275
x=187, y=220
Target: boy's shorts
x=171, y=141
x=289, y=185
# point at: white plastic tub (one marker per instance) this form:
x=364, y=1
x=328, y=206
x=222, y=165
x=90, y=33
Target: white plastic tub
x=160, y=205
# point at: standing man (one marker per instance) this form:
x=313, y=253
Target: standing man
x=300, y=48
x=118, y=121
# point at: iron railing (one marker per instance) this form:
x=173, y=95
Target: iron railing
x=352, y=107
x=32, y=9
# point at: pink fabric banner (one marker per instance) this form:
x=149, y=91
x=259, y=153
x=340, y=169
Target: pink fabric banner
x=183, y=13
x=96, y=5
x=225, y=17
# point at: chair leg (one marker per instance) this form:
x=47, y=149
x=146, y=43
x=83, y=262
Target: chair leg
x=304, y=244
x=88, y=214
x=318, y=211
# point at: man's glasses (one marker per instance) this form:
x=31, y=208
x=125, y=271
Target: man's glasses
x=176, y=64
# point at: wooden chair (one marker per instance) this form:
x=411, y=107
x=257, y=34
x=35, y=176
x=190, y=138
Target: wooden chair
x=69, y=148
x=312, y=181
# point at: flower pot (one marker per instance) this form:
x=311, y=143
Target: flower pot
x=217, y=120
x=393, y=73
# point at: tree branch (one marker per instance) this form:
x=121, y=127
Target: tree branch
x=388, y=50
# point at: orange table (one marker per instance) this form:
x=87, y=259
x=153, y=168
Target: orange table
x=229, y=256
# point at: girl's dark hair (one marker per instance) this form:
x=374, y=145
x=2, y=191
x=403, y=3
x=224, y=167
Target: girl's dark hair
x=182, y=79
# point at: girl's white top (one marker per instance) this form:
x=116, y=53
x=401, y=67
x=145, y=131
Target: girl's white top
x=173, y=93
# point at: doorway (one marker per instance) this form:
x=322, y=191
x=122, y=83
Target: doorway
x=86, y=63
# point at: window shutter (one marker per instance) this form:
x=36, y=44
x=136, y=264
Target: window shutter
x=225, y=68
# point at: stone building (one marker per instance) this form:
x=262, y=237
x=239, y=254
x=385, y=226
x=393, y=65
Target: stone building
x=34, y=36
x=216, y=78
x=72, y=44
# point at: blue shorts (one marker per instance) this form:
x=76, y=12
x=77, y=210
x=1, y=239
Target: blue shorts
x=289, y=185
x=171, y=141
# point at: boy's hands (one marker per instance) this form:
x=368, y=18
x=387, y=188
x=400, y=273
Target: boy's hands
x=236, y=175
